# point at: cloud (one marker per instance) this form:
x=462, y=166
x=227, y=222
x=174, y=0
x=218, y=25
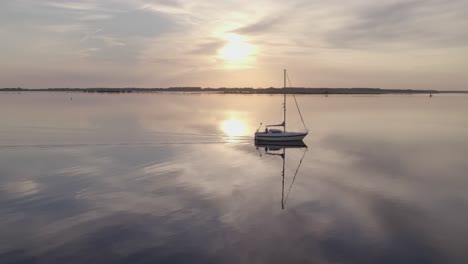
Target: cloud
x=404, y=23
x=208, y=48
x=90, y=35
x=63, y=28
x=165, y=6
x=110, y=41
x=93, y=17
x=262, y=26
x=73, y=5
x=138, y=23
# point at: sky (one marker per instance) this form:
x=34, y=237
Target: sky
x=411, y=44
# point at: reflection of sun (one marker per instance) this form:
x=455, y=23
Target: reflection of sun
x=233, y=127
x=237, y=51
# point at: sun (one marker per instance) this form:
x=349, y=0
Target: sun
x=233, y=127
x=236, y=49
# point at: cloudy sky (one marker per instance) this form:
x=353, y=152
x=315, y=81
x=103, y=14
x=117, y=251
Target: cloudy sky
x=234, y=43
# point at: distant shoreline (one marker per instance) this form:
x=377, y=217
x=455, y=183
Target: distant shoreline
x=271, y=90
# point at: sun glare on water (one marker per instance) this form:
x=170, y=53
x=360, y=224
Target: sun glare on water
x=233, y=128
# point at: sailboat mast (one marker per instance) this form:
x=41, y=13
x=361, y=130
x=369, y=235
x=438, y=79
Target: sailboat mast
x=282, y=184
x=284, y=101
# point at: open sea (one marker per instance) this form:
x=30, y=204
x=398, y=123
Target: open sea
x=177, y=178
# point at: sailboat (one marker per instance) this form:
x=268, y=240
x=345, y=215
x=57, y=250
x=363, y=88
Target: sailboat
x=276, y=149
x=281, y=135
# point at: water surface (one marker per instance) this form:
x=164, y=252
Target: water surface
x=176, y=178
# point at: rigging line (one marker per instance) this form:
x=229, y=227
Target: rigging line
x=297, y=105
x=295, y=174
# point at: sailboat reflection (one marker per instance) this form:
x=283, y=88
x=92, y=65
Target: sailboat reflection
x=279, y=149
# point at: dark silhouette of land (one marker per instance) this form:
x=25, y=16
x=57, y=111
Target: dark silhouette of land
x=246, y=90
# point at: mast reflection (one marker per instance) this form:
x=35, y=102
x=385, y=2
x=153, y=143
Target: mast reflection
x=279, y=149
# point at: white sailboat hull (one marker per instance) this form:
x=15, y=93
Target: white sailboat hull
x=280, y=137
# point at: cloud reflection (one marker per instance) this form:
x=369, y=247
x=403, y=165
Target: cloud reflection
x=360, y=197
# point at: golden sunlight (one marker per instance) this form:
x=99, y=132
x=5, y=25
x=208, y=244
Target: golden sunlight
x=237, y=52
x=233, y=127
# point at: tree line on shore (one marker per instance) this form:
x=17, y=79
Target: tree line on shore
x=245, y=90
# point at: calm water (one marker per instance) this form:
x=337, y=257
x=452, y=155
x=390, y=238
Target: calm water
x=176, y=178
